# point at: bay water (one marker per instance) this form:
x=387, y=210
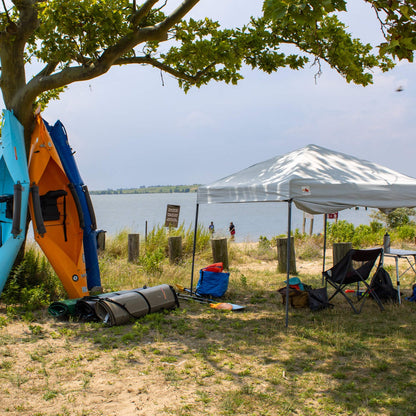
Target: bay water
x=117, y=212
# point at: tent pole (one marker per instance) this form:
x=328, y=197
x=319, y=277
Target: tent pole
x=323, y=263
x=289, y=231
x=194, y=247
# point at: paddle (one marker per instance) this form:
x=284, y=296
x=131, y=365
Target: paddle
x=211, y=303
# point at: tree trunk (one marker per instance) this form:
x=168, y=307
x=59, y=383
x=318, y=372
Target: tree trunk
x=282, y=255
x=175, y=249
x=219, y=251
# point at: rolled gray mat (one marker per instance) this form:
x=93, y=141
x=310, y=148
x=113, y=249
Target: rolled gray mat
x=135, y=304
x=85, y=307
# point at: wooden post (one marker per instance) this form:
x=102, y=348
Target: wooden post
x=219, y=251
x=133, y=247
x=175, y=249
x=311, y=227
x=339, y=250
x=101, y=241
x=282, y=255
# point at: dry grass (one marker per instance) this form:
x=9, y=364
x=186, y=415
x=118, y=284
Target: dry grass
x=200, y=361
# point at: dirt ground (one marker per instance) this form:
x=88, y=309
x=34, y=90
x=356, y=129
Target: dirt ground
x=48, y=367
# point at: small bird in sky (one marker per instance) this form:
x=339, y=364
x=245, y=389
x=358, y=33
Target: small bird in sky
x=399, y=88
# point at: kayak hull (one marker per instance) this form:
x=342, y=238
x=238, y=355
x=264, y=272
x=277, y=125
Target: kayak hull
x=14, y=193
x=55, y=214
x=60, y=140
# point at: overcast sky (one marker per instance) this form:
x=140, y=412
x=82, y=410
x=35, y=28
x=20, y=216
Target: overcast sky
x=129, y=129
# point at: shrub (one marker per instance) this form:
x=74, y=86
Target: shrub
x=309, y=248
x=32, y=284
x=340, y=231
x=406, y=232
x=360, y=236
x=203, y=237
x=364, y=236
x=152, y=261
x=396, y=218
x=376, y=226
x=264, y=243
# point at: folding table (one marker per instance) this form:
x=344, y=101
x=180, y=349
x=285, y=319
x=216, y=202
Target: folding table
x=398, y=254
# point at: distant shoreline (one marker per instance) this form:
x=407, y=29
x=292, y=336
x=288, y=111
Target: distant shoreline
x=157, y=189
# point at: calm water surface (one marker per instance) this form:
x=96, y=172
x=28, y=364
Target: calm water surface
x=117, y=212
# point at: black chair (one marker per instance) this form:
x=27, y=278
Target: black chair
x=354, y=268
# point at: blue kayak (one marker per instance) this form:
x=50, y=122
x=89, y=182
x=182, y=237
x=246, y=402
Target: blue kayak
x=14, y=193
x=89, y=226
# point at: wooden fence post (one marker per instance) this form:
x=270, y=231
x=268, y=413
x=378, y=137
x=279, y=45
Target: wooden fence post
x=339, y=250
x=282, y=255
x=101, y=240
x=219, y=251
x=133, y=247
x=175, y=249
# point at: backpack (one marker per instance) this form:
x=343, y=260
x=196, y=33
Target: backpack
x=297, y=298
x=318, y=299
x=382, y=286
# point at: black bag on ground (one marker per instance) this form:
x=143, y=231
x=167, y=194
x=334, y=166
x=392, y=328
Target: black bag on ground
x=382, y=286
x=318, y=299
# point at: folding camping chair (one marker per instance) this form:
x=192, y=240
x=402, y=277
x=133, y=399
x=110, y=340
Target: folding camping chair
x=354, y=267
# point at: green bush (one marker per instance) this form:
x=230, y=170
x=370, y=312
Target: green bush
x=157, y=239
x=341, y=231
x=360, y=236
x=203, y=237
x=264, y=243
x=376, y=226
x=396, y=218
x=406, y=232
x=364, y=236
x=33, y=283
x=152, y=261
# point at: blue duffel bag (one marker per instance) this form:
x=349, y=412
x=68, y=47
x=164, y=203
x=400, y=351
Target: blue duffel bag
x=212, y=283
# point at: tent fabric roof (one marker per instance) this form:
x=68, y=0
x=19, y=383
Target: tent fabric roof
x=318, y=180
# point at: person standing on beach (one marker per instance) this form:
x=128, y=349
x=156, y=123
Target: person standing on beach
x=232, y=230
x=211, y=228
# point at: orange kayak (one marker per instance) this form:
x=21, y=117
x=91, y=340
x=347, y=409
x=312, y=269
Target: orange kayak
x=56, y=213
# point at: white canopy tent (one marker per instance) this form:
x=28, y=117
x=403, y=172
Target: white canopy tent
x=317, y=180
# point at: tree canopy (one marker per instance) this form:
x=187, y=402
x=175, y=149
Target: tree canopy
x=78, y=40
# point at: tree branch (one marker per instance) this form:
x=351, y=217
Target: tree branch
x=142, y=12
x=151, y=33
x=148, y=60
x=47, y=70
x=382, y=24
x=177, y=15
